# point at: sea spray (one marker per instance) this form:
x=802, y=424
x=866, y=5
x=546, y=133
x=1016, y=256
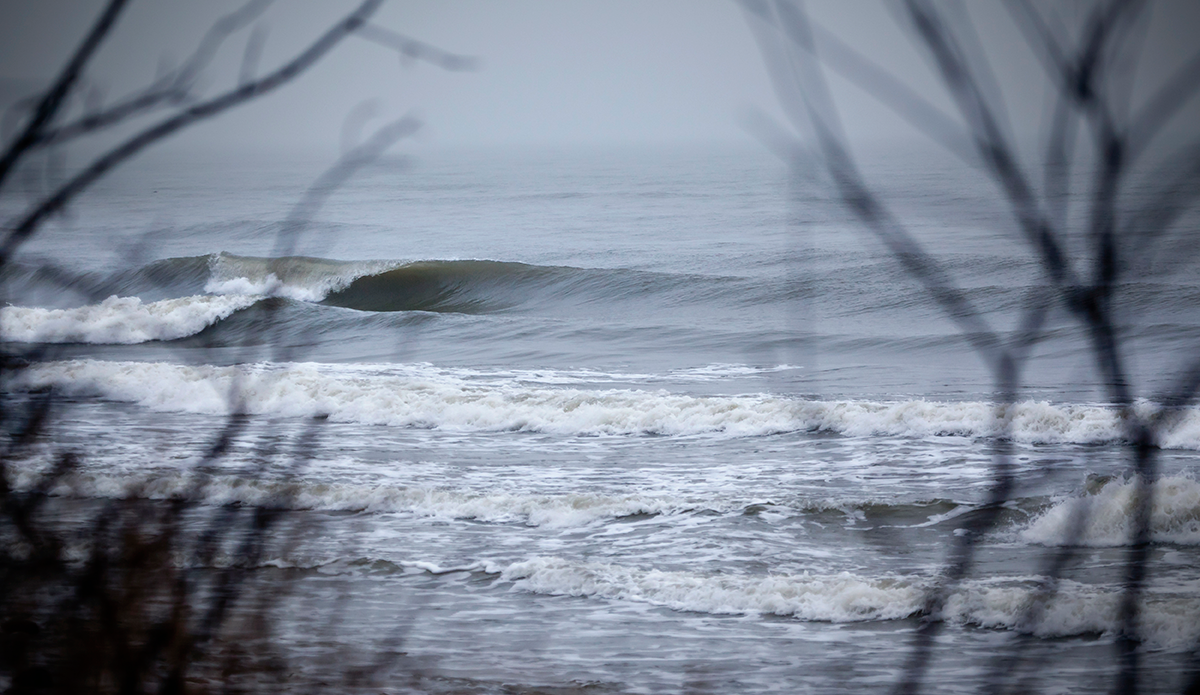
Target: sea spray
x=295, y=277
x=1109, y=513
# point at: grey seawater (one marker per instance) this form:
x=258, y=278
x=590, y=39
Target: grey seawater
x=640, y=421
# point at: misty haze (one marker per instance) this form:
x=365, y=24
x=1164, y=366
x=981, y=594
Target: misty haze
x=621, y=346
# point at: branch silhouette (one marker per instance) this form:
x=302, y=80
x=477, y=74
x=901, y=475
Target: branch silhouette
x=1088, y=80
x=50, y=104
x=165, y=594
x=26, y=225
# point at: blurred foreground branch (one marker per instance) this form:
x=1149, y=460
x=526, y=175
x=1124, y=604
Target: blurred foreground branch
x=148, y=592
x=1086, y=77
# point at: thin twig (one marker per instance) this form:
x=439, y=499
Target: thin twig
x=23, y=229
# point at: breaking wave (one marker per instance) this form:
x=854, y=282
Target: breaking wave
x=301, y=278
x=459, y=286
x=120, y=320
x=1105, y=515
x=431, y=398
x=202, y=291
x=1168, y=620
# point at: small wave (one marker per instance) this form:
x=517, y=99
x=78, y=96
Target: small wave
x=554, y=510
x=549, y=510
x=840, y=597
x=429, y=400
x=432, y=399
x=161, y=279
x=1108, y=515
x=1168, y=620
x=120, y=320
x=585, y=376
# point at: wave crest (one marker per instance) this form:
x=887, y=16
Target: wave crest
x=1168, y=620
x=120, y=320
x=302, y=278
x=1105, y=516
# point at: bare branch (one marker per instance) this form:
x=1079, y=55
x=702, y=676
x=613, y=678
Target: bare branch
x=1178, y=90
x=1046, y=45
x=416, y=50
x=48, y=107
x=993, y=147
x=354, y=121
x=172, y=86
x=969, y=46
x=223, y=28
x=1056, y=176
x=306, y=209
x=25, y=227
x=1144, y=229
x=777, y=140
x=252, y=54
x=14, y=114
x=336, y=176
x=1087, y=80
x=904, y=101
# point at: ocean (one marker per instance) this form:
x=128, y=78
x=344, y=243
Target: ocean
x=631, y=420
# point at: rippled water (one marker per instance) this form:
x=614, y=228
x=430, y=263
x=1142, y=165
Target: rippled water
x=625, y=419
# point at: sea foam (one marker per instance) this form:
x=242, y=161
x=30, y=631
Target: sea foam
x=120, y=320
x=431, y=398
x=1105, y=517
x=234, y=283
x=490, y=506
x=1167, y=620
x=842, y=597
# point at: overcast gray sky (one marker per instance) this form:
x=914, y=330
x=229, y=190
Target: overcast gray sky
x=552, y=71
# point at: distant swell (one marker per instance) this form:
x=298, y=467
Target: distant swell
x=429, y=398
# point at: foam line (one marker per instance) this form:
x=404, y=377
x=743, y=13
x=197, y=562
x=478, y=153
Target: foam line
x=429, y=398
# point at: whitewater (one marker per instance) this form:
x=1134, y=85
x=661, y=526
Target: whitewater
x=624, y=421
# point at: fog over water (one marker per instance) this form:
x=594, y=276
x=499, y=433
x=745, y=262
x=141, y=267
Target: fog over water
x=616, y=393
